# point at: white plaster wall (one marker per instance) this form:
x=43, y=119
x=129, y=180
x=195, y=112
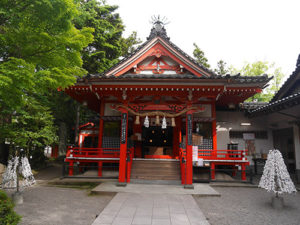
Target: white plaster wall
x=227, y=121
x=297, y=145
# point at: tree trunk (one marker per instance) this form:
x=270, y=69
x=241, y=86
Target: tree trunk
x=62, y=145
x=77, y=123
x=4, y=153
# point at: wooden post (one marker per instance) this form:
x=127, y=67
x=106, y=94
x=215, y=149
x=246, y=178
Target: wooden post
x=71, y=168
x=123, y=147
x=189, y=149
x=100, y=169
x=100, y=136
x=214, y=125
x=128, y=162
x=243, y=171
x=182, y=171
x=213, y=171
x=77, y=124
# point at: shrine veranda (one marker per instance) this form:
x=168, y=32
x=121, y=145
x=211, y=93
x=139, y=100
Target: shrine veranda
x=157, y=104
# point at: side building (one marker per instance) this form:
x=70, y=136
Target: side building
x=281, y=117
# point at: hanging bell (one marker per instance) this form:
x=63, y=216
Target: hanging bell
x=157, y=120
x=146, y=122
x=164, y=123
x=137, y=120
x=173, y=122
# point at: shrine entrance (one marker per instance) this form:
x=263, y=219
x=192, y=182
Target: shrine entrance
x=157, y=142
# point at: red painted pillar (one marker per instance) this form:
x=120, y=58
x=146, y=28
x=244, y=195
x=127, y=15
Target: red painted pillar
x=123, y=147
x=71, y=168
x=100, y=137
x=243, y=171
x=189, y=149
x=214, y=125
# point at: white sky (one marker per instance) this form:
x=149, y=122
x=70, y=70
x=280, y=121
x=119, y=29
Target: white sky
x=233, y=30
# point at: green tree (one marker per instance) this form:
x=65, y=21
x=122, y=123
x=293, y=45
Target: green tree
x=108, y=44
x=39, y=52
x=130, y=44
x=200, y=56
x=259, y=68
x=221, y=68
x=32, y=126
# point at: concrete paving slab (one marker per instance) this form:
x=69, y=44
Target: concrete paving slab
x=143, y=209
x=232, y=184
x=199, y=189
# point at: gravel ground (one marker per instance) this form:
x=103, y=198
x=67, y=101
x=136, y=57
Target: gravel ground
x=248, y=206
x=57, y=206
x=48, y=205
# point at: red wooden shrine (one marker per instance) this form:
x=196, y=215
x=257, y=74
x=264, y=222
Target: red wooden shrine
x=159, y=81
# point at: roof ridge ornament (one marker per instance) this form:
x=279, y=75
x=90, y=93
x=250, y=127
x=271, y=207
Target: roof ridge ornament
x=158, y=28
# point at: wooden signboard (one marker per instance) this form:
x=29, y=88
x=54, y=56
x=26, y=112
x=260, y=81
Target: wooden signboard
x=124, y=128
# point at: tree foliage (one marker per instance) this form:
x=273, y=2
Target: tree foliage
x=200, y=56
x=39, y=52
x=130, y=43
x=108, y=44
x=259, y=68
x=222, y=68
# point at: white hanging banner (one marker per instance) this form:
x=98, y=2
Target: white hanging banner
x=195, y=153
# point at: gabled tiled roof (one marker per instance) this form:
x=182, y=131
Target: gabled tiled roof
x=162, y=34
x=284, y=88
x=229, y=78
x=252, y=105
x=278, y=105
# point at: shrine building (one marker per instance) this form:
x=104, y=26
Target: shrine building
x=158, y=105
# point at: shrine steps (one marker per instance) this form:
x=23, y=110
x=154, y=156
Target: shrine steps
x=155, y=171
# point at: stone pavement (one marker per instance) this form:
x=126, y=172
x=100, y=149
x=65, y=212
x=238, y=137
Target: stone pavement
x=199, y=189
x=150, y=208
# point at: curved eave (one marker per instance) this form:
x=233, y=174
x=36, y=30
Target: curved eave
x=278, y=105
x=287, y=85
x=231, y=81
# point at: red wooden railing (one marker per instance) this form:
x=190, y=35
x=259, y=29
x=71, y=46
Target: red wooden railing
x=78, y=152
x=210, y=154
x=98, y=155
x=222, y=154
x=216, y=157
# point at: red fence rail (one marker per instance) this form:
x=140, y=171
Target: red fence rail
x=77, y=152
x=210, y=154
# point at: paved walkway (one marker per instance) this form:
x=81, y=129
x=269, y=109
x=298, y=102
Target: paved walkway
x=199, y=189
x=154, y=209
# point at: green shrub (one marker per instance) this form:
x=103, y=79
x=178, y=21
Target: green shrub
x=7, y=214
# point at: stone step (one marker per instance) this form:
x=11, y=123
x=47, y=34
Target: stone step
x=155, y=170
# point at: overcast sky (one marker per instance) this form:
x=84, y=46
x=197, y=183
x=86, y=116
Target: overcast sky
x=233, y=30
